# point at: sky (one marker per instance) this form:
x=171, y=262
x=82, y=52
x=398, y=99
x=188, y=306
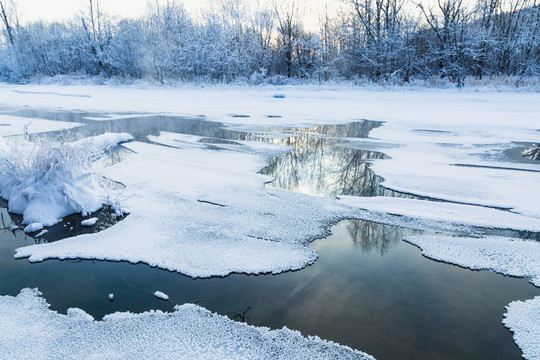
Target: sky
x=58, y=10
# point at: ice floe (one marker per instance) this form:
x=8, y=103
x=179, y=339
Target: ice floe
x=507, y=256
x=523, y=319
x=161, y=295
x=28, y=327
x=443, y=212
x=89, y=222
x=206, y=213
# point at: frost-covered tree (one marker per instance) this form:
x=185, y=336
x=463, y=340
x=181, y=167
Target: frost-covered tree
x=237, y=40
x=448, y=48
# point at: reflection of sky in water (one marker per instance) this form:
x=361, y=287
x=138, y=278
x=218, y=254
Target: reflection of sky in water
x=368, y=289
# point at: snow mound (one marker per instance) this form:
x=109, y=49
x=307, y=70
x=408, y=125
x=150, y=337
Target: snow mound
x=161, y=295
x=190, y=332
x=507, y=256
x=89, y=222
x=523, y=319
x=33, y=227
x=48, y=181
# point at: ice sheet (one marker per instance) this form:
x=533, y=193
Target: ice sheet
x=443, y=212
x=523, y=319
x=29, y=328
x=14, y=125
x=434, y=128
x=507, y=256
x=202, y=213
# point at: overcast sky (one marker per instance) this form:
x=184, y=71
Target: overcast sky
x=58, y=10
x=53, y=10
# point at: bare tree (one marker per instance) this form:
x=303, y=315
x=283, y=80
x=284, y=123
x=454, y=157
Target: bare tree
x=9, y=17
x=288, y=31
x=448, y=22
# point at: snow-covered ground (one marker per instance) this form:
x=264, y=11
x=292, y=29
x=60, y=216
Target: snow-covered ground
x=204, y=213
x=28, y=329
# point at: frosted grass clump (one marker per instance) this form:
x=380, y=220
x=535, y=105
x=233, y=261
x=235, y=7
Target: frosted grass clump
x=48, y=180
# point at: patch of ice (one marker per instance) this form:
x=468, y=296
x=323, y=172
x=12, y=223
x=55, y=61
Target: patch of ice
x=116, y=117
x=190, y=332
x=507, y=256
x=89, y=222
x=433, y=211
x=41, y=233
x=105, y=141
x=15, y=125
x=33, y=227
x=523, y=319
x=161, y=295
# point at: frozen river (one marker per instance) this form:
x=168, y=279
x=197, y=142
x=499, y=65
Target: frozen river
x=368, y=289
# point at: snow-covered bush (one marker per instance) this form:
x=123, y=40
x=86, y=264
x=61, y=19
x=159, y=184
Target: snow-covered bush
x=48, y=180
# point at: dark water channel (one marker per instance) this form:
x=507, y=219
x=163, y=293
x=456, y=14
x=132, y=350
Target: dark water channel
x=368, y=289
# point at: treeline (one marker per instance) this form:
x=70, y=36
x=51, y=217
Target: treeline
x=394, y=40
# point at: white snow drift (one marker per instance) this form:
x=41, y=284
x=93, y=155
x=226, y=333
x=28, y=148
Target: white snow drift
x=29, y=328
x=47, y=181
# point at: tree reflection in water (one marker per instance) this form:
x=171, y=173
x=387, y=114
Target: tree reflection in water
x=371, y=236
x=318, y=165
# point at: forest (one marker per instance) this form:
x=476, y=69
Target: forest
x=232, y=42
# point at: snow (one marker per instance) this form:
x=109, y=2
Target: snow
x=514, y=257
x=176, y=223
x=14, y=125
x=161, y=295
x=425, y=132
x=46, y=181
x=441, y=212
x=190, y=332
x=89, y=222
x=41, y=233
x=423, y=160
x=117, y=117
x=523, y=319
x=104, y=142
x=33, y=227
x=207, y=213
